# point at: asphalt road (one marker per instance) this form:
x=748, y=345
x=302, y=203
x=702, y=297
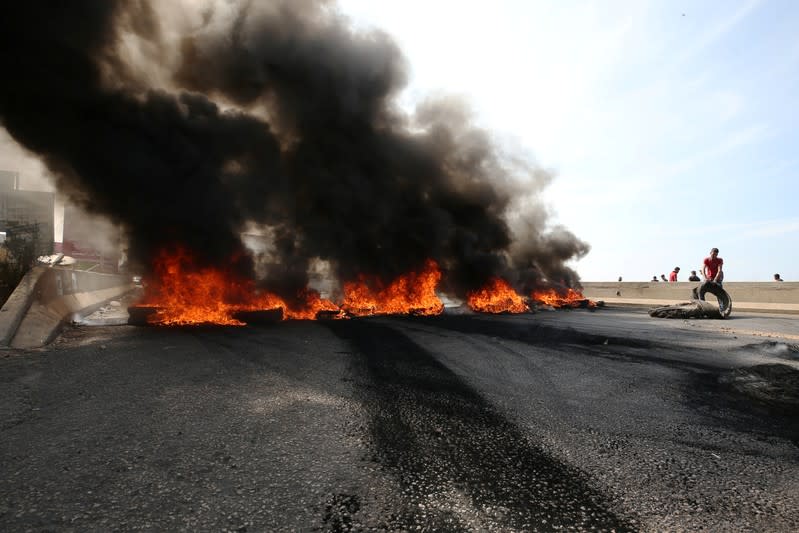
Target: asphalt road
x=568, y=420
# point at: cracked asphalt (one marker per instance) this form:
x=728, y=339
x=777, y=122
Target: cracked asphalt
x=556, y=421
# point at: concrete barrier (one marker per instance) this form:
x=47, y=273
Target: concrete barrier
x=767, y=297
x=17, y=305
x=47, y=297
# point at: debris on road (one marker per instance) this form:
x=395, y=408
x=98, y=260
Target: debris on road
x=692, y=309
x=698, y=307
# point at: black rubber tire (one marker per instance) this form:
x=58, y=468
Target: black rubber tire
x=725, y=302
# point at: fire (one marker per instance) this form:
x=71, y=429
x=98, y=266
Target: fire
x=497, y=296
x=185, y=295
x=569, y=298
x=413, y=293
x=312, y=305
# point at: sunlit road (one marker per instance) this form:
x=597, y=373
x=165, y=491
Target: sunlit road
x=577, y=420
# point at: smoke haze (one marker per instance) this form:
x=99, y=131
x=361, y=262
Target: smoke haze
x=185, y=122
x=33, y=175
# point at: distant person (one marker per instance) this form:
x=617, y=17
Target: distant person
x=663, y=277
x=778, y=278
x=712, y=269
x=655, y=278
x=673, y=275
x=694, y=277
x=619, y=279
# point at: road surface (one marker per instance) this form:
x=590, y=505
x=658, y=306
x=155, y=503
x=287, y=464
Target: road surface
x=564, y=420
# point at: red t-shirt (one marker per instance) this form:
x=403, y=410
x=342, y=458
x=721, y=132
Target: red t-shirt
x=713, y=266
x=673, y=276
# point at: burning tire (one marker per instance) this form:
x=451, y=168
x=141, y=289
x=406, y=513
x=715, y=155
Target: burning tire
x=725, y=302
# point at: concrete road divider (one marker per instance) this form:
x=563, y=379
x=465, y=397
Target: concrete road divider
x=761, y=297
x=47, y=298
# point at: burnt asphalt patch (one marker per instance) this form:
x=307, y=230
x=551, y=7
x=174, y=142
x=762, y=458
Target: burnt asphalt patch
x=773, y=385
x=444, y=441
x=785, y=350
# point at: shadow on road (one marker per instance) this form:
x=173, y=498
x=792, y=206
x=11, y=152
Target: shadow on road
x=443, y=439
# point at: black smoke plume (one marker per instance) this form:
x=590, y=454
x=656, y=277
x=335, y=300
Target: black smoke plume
x=183, y=128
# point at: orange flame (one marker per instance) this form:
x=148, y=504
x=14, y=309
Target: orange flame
x=413, y=293
x=312, y=305
x=496, y=297
x=184, y=295
x=571, y=298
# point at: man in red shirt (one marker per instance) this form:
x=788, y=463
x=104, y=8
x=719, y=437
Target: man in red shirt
x=712, y=269
x=673, y=275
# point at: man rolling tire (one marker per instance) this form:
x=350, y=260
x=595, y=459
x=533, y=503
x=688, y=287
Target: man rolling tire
x=725, y=302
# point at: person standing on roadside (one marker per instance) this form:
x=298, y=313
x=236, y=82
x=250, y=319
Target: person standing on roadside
x=694, y=277
x=712, y=269
x=673, y=274
x=778, y=278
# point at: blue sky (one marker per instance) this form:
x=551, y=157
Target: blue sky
x=670, y=126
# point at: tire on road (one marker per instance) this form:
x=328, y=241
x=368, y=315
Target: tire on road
x=725, y=302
